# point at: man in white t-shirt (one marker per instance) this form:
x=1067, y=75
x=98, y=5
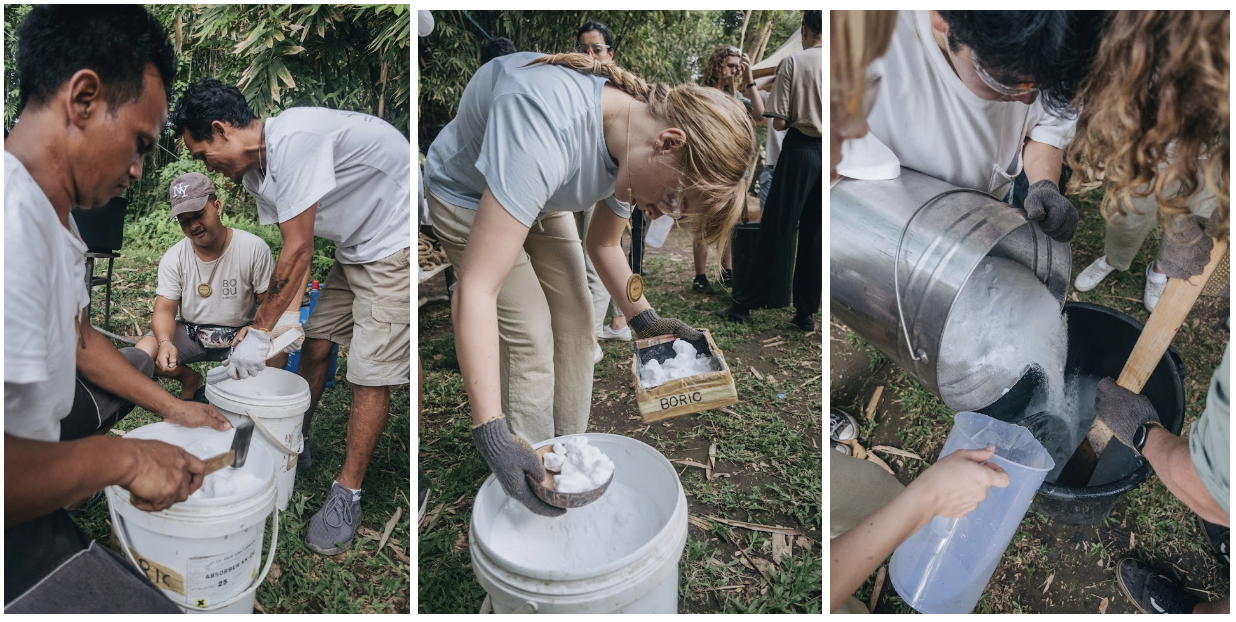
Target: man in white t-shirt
x=92, y=105
x=343, y=176
x=214, y=278
x=976, y=97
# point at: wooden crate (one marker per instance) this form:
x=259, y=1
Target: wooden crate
x=684, y=395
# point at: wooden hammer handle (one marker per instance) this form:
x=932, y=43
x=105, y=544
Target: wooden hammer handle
x=1173, y=306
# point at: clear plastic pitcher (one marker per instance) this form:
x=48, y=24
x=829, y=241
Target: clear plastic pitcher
x=944, y=567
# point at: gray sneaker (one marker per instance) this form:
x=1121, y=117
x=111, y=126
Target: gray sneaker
x=331, y=529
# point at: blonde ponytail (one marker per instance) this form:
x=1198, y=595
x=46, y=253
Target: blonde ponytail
x=719, y=153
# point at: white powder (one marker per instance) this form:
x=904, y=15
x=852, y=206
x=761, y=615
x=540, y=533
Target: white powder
x=226, y=482
x=687, y=361
x=581, y=466
x=608, y=529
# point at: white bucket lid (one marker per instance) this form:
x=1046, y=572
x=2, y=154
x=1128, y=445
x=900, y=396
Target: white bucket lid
x=275, y=392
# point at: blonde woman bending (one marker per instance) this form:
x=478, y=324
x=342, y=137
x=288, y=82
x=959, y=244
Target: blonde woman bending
x=537, y=137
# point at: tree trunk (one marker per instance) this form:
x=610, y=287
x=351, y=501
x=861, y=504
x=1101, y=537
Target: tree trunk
x=746, y=17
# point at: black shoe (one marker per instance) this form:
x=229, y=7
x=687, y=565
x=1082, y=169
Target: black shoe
x=422, y=492
x=1218, y=537
x=701, y=285
x=734, y=313
x=805, y=322
x=304, y=460
x=1150, y=590
x=727, y=277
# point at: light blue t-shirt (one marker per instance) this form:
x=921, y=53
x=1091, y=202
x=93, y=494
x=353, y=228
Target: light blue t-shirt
x=532, y=135
x=1210, y=437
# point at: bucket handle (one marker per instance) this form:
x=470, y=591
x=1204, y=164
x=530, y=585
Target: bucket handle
x=918, y=355
x=488, y=607
x=119, y=530
x=257, y=421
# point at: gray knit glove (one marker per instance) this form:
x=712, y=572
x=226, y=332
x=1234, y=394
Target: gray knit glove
x=1055, y=213
x=1122, y=410
x=649, y=324
x=1186, y=247
x=511, y=459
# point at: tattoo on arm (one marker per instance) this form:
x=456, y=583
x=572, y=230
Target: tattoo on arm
x=277, y=284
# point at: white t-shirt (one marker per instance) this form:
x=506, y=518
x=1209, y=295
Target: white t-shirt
x=44, y=293
x=532, y=135
x=935, y=125
x=242, y=271
x=772, y=143
x=356, y=167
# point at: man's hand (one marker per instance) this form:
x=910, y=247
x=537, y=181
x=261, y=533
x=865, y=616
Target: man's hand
x=1186, y=246
x=1122, y=410
x=165, y=360
x=289, y=321
x=249, y=358
x=161, y=474
x=1055, y=213
x=649, y=324
x=958, y=482
x=196, y=415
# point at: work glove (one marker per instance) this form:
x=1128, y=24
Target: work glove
x=649, y=324
x=1186, y=246
x=249, y=357
x=512, y=460
x=1122, y=410
x=1054, y=212
x=289, y=321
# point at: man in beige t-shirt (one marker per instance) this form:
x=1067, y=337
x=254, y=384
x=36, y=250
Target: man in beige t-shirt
x=215, y=278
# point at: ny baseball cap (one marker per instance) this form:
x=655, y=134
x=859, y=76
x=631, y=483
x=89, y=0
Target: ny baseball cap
x=189, y=192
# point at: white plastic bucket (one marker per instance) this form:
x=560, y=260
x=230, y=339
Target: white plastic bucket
x=203, y=553
x=643, y=580
x=276, y=400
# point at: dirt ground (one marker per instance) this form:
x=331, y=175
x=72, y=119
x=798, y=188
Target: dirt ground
x=1050, y=567
x=767, y=449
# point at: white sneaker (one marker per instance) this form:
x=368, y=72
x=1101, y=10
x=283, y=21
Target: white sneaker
x=1093, y=275
x=1155, y=283
x=596, y=357
x=623, y=334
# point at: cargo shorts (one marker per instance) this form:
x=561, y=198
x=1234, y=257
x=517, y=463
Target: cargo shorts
x=366, y=307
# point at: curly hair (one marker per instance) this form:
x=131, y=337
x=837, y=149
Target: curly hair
x=719, y=154
x=714, y=69
x=1155, y=116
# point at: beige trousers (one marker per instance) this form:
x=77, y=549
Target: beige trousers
x=601, y=302
x=856, y=489
x=545, y=344
x=1125, y=234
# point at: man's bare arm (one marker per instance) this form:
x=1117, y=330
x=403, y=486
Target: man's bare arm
x=287, y=282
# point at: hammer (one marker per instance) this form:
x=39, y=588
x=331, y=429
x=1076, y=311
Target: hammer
x=234, y=457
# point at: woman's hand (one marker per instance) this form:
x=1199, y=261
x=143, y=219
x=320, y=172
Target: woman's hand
x=512, y=460
x=957, y=483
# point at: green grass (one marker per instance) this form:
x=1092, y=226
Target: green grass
x=360, y=580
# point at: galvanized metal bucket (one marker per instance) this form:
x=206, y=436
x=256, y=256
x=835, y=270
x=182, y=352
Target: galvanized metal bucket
x=901, y=250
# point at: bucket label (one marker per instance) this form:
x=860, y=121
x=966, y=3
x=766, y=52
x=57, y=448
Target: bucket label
x=163, y=577
x=215, y=578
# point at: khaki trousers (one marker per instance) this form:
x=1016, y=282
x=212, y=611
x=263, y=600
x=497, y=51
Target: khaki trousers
x=856, y=489
x=545, y=344
x=1125, y=234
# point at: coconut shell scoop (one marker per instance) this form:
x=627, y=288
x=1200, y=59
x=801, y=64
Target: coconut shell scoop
x=544, y=489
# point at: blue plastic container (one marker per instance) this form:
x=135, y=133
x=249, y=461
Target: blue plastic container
x=294, y=358
x=944, y=567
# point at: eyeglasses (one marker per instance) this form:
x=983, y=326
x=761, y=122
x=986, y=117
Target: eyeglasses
x=1008, y=90
x=598, y=48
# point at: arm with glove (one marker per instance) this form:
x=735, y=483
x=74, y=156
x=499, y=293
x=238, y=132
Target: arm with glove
x=1045, y=201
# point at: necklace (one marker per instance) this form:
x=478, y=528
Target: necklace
x=261, y=150
x=203, y=289
x=630, y=198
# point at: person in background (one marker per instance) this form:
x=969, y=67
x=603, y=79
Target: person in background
x=346, y=177
x=797, y=188
x=500, y=46
x=595, y=40
x=210, y=284
x=1156, y=123
x=721, y=70
x=93, y=83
